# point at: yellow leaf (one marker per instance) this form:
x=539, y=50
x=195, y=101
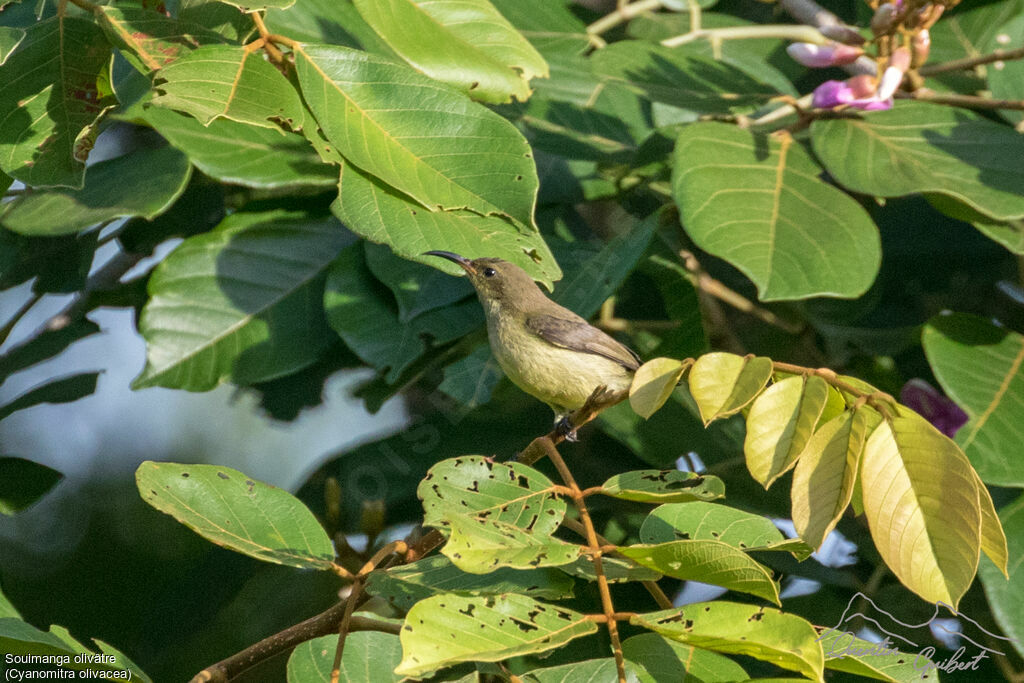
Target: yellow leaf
x=653, y=384
x=723, y=383
x=780, y=423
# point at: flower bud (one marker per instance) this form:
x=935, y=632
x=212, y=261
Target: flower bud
x=882, y=22
x=831, y=94
x=900, y=58
x=862, y=86
x=842, y=34
x=921, y=44
x=819, y=56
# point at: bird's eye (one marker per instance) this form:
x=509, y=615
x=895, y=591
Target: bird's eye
x=490, y=272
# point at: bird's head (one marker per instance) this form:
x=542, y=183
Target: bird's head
x=496, y=281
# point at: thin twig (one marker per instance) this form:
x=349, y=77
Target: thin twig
x=343, y=627
x=805, y=34
x=268, y=45
x=971, y=62
x=621, y=15
x=595, y=554
x=966, y=101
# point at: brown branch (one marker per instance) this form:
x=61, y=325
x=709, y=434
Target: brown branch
x=595, y=554
x=966, y=101
x=345, y=625
x=971, y=62
x=264, y=34
x=323, y=624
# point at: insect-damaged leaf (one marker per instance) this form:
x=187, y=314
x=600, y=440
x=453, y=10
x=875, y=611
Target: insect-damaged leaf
x=447, y=629
x=663, y=486
x=478, y=546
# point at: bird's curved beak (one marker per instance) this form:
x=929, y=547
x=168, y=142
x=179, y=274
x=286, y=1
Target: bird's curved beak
x=466, y=264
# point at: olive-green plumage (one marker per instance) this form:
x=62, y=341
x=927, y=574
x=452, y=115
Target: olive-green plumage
x=545, y=349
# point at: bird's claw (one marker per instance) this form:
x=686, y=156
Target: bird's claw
x=566, y=429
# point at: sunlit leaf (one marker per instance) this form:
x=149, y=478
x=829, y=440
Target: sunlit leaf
x=148, y=39
x=723, y=383
x=919, y=147
x=10, y=38
x=763, y=633
x=779, y=425
x=369, y=657
x=653, y=383
x=48, y=99
x=1006, y=78
x=709, y=521
x=663, y=486
x=474, y=159
x=845, y=652
x=446, y=629
x=615, y=570
x=922, y=506
x=226, y=81
x=22, y=483
x=480, y=545
x=142, y=183
x=759, y=203
x=978, y=365
x=577, y=672
x=825, y=474
x=713, y=562
x=466, y=43
x=242, y=514
x=241, y=303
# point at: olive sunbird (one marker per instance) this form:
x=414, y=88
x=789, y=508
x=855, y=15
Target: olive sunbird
x=545, y=349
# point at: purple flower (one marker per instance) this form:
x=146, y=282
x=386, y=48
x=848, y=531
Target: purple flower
x=926, y=400
x=832, y=94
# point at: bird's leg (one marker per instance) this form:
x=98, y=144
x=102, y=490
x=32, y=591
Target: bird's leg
x=565, y=429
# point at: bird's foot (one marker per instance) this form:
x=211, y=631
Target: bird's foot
x=566, y=429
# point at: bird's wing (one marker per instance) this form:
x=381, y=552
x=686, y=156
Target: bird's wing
x=578, y=335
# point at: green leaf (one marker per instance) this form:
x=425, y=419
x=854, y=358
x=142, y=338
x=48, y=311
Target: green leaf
x=241, y=303
x=825, y=474
x=465, y=43
x=653, y=383
x=369, y=657
x=1006, y=596
x=763, y=633
x=19, y=638
x=63, y=390
x=978, y=365
x=379, y=213
x=243, y=154
x=993, y=537
x=1006, y=78
x=49, y=98
x=43, y=346
x=791, y=233
x=714, y=562
x=709, y=521
x=405, y=585
x=471, y=380
x=919, y=147
x=1008, y=233
x=779, y=425
x=10, y=38
x=218, y=17
x=968, y=31
x=723, y=383
x=228, y=508
x=550, y=26
x=143, y=183
x=258, y=5
x=615, y=570
x=511, y=492
x=845, y=652
x=922, y=507
x=327, y=21
x=660, y=660
x=150, y=40
x=362, y=312
x=227, y=81
x=474, y=159
x=417, y=288
x=22, y=483
x=679, y=76
x=447, y=629
x=57, y=264
x=663, y=486
x=480, y=545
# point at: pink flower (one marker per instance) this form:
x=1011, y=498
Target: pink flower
x=819, y=56
x=831, y=94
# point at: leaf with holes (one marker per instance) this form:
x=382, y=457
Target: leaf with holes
x=228, y=508
x=920, y=147
x=480, y=545
x=369, y=657
x=714, y=562
x=663, y=486
x=419, y=136
x=240, y=303
x=784, y=640
x=447, y=629
x=653, y=383
x=724, y=383
x=142, y=183
x=779, y=425
x=711, y=521
x=231, y=82
x=845, y=652
x=465, y=43
x=759, y=203
x=405, y=585
x=979, y=365
x=503, y=492
x=825, y=475
x=242, y=154
x=381, y=214
x=922, y=506
x=615, y=569
x=48, y=99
